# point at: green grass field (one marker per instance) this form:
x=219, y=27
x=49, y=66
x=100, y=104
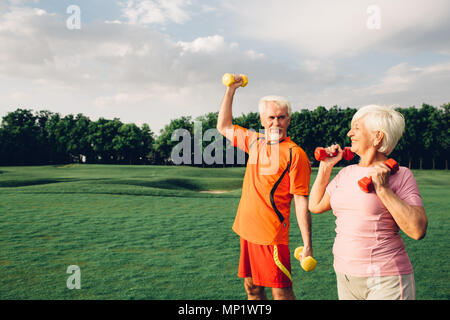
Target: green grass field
x=151, y=232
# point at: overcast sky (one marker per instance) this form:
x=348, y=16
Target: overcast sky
x=151, y=61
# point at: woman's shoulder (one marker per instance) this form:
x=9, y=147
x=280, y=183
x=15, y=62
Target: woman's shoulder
x=350, y=168
x=404, y=170
x=404, y=173
x=348, y=171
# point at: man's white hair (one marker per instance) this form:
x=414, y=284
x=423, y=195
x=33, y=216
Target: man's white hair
x=280, y=101
x=385, y=119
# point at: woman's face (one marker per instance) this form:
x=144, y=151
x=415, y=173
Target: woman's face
x=361, y=137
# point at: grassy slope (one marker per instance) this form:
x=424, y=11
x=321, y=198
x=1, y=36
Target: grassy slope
x=148, y=233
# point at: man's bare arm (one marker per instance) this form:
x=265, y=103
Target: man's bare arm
x=304, y=222
x=225, y=118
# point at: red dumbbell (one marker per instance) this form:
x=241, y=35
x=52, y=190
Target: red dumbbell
x=366, y=183
x=320, y=154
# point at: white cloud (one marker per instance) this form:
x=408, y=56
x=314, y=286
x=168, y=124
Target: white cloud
x=337, y=28
x=401, y=85
x=319, y=70
x=113, y=21
x=114, y=67
x=425, y=82
x=17, y=96
x=18, y=2
x=157, y=93
x=6, y=4
x=130, y=71
x=205, y=8
x=174, y=10
x=119, y=99
x=156, y=11
x=36, y=46
x=253, y=55
x=203, y=44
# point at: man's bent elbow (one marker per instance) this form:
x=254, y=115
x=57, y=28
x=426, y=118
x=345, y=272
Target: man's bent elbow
x=223, y=129
x=220, y=129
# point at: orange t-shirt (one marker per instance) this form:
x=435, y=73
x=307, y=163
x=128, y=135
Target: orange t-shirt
x=275, y=172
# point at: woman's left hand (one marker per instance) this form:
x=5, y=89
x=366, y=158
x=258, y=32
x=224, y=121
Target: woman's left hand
x=380, y=176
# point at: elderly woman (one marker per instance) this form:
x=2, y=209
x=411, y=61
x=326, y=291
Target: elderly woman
x=370, y=259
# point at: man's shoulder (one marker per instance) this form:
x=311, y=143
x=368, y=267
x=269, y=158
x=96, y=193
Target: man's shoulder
x=297, y=154
x=295, y=149
x=247, y=130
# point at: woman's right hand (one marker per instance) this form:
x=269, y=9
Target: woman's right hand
x=331, y=161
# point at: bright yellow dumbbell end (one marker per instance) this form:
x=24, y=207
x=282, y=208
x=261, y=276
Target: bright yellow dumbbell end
x=308, y=263
x=244, y=80
x=298, y=252
x=228, y=79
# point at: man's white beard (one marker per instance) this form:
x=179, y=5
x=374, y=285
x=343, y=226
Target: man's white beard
x=274, y=134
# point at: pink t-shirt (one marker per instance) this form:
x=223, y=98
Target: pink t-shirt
x=367, y=241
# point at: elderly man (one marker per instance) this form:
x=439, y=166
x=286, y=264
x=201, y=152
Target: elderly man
x=277, y=171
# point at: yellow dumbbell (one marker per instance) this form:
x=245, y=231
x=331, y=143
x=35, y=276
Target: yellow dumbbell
x=228, y=79
x=307, y=263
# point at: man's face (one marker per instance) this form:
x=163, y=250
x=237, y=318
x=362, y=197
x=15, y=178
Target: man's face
x=275, y=121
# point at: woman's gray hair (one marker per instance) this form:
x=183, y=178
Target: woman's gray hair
x=280, y=101
x=385, y=119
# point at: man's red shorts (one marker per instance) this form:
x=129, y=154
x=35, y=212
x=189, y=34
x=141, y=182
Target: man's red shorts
x=268, y=266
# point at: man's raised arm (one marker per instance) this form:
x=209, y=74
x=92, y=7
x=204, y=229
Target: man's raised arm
x=225, y=119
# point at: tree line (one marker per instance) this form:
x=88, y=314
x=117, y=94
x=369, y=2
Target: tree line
x=44, y=137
